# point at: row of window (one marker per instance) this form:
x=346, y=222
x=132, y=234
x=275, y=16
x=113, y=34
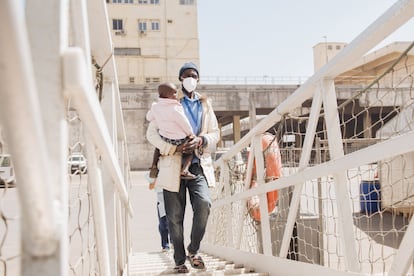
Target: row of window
x=338, y=47
x=147, y=80
x=134, y=52
x=143, y=25
x=146, y=2
x=127, y=51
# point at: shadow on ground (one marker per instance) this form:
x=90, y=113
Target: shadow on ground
x=383, y=227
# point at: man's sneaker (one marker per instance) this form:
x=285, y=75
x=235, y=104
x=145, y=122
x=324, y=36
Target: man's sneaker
x=181, y=269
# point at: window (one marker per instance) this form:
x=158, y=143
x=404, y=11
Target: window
x=5, y=162
x=131, y=79
x=142, y=1
x=155, y=25
x=116, y=1
x=154, y=2
x=186, y=2
x=129, y=1
x=338, y=47
x=142, y=26
x=127, y=51
x=117, y=24
x=152, y=80
x=329, y=47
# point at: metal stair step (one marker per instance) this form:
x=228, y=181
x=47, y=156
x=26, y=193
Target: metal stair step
x=161, y=263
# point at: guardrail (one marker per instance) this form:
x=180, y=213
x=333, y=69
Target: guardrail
x=320, y=224
x=54, y=103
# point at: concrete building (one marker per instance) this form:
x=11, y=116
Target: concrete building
x=324, y=52
x=153, y=38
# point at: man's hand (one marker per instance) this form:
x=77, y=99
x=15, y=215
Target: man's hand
x=190, y=145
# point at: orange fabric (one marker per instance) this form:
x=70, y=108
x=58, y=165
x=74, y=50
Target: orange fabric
x=273, y=167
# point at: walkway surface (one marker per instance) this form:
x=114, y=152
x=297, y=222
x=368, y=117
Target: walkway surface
x=147, y=257
x=145, y=235
x=161, y=263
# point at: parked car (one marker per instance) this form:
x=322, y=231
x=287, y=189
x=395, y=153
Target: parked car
x=236, y=162
x=6, y=171
x=237, y=165
x=77, y=163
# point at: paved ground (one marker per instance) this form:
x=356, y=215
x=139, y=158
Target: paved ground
x=145, y=235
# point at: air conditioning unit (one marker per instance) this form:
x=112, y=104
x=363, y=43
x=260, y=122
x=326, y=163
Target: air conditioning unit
x=120, y=32
x=143, y=32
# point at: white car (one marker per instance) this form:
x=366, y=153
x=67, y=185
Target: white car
x=77, y=163
x=237, y=165
x=6, y=170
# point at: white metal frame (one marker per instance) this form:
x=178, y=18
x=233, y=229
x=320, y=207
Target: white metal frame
x=45, y=64
x=320, y=86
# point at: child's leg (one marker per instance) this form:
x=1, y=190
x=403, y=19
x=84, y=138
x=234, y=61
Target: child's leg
x=155, y=157
x=185, y=173
x=187, y=158
x=154, y=167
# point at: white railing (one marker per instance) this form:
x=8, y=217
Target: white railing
x=54, y=103
x=320, y=225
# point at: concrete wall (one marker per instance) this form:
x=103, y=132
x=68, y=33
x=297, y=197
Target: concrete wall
x=227, y=100
x=136, y=101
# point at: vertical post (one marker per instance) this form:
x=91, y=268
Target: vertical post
x=236, y=128
x=249, y=167
x=110, y=197
x=48, y=36
x=252, y=110
x=264, y=215
x=304, y=161
x=220, y=143
x=320, y=204
x=227, y=191
x=123, y=157
x=342, y=190
x=98, y=206
x=367, y=125
x=120, y=236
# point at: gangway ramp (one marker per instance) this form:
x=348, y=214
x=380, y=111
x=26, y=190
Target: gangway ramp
x=147, y=257
x=161, y=263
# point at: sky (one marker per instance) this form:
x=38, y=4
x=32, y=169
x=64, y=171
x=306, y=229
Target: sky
x=275, y=37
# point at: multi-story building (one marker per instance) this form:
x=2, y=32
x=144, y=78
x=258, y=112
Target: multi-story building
x=153, y=38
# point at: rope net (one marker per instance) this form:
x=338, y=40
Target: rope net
x=371, y=109
x=81, y=235
x=83, y=256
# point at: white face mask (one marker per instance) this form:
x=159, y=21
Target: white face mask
x=190, y=84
